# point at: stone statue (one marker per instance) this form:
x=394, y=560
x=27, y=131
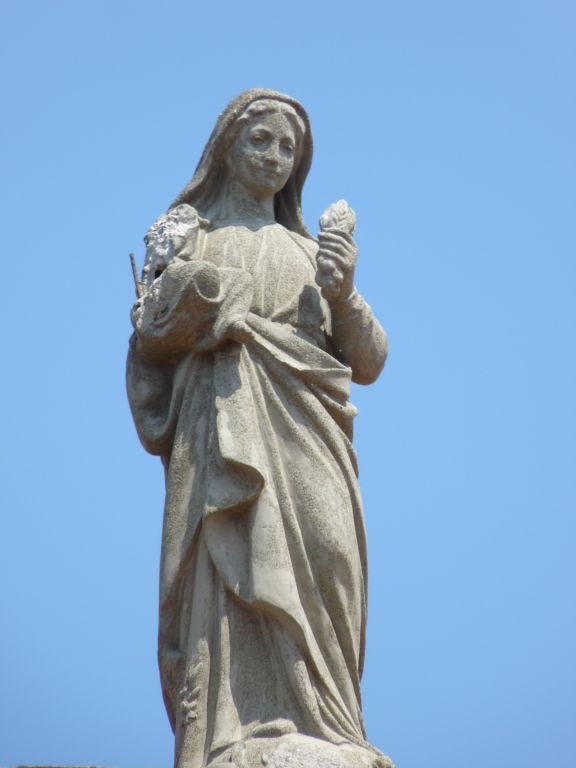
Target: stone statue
x=248, y=332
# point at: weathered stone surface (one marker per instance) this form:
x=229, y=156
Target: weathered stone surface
x=248, y=333
x=300, y=751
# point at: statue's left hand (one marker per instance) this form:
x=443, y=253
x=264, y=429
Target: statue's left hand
x=336, y=261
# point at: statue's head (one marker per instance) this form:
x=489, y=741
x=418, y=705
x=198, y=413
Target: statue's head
x=262, y=109
x=255, y=114
x=263, y=145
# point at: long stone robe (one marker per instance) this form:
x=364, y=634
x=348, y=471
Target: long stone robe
x=263, y=564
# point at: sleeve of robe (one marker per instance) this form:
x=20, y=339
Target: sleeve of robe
x=358, y=338
x=192, y=306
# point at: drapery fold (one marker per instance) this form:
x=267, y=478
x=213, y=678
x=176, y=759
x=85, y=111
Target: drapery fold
x=263, y=566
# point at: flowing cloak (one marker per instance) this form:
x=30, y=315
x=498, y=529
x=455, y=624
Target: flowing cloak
x=263, y=564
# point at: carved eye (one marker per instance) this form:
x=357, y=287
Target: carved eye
x=257, y=139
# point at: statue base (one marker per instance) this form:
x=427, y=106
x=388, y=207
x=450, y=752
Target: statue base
x=299, y=751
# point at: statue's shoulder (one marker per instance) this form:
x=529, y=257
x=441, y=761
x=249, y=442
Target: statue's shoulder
x=306, y=244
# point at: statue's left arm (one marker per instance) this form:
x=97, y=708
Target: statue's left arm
x=358, y=338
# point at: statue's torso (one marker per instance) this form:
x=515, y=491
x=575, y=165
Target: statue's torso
x=281, y=264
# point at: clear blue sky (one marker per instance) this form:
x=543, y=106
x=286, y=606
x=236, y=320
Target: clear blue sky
x=451, y=129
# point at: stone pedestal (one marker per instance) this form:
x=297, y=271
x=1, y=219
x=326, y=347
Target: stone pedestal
x=299, y=751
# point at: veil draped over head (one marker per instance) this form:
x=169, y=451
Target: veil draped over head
x=202, y=189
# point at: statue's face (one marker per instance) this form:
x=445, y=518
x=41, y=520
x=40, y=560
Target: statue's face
x=262, y=157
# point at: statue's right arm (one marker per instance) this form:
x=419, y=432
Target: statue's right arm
x=192, y=305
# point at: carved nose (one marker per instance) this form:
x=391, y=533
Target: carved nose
x=271, y=158
x=271, y=161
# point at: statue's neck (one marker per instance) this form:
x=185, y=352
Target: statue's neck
x=236, y=205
